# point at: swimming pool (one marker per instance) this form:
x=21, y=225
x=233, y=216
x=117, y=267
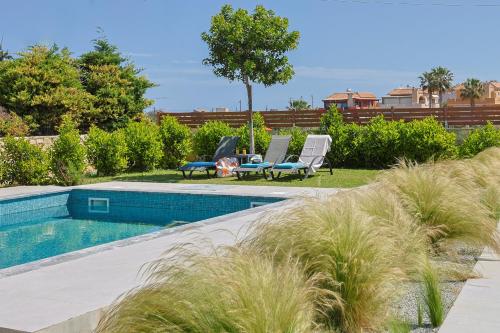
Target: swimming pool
x=47, y=225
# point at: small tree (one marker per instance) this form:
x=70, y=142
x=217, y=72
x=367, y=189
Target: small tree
x=473, y=89
x=250, y=48
x=298, y=104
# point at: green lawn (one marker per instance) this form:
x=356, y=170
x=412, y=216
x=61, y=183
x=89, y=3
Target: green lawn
x=340, y=178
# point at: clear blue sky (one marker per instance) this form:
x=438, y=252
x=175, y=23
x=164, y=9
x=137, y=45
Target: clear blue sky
x=366, y=45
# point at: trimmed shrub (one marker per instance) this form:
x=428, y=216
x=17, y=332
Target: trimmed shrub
x=427, y=139
x=297, y=141
x=67, y=154
x=176, y=142
x=261, y=136
x=231, y=292
x=106, y=152
x=379, y=143
x=144, y=145
x=207, y=137
x=345, y=139
x=23, y=163
x=479, y=140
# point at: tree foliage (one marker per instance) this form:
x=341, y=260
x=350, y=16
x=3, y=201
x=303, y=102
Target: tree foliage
x=43, y=83
x=251, y=48
x=298, y=104
x=116, y=84
x=473, y=89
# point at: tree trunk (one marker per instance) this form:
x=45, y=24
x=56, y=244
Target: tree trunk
x=472, y=102
x=250, y=113
x=430, y=99
x=441, y=99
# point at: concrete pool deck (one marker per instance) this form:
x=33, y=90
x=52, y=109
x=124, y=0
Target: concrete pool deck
x=477, y=307
x=69, y=295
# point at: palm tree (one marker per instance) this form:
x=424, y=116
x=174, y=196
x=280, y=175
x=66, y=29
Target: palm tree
x=443, y=80
x=428, y=83
x=4, y=54
x=298, y=104
x=473, y=89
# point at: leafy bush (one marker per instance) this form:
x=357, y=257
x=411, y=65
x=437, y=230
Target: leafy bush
x=297, y=141
x=232, y=292
x=207, y=137
x=144, y=145
x=67, y=155
x=480, y=139
x=106, y=152
x=176, y=142
x=379, y=143
x=261, y=135
x=425, y=139
x=12, y=124
x=345, y=138
x=23, y=163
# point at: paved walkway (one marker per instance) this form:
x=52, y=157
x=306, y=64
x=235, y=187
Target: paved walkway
x=68, y=295
x=477, y=308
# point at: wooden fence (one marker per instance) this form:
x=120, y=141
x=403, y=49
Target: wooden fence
x=456, y=116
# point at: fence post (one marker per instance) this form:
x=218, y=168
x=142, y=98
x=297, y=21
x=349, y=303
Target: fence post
x=445, y=112
x=158, y=117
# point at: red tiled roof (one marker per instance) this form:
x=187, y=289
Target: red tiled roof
x=355, y=95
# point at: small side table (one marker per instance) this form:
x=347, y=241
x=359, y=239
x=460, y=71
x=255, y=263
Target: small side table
x=244, y=157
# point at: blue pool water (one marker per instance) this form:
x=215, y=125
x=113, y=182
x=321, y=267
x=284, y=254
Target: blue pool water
x=43, y=226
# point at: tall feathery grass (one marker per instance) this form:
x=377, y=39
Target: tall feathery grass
x=359, y=260
x=234, y=291
x=432, y=296
x=448, y=211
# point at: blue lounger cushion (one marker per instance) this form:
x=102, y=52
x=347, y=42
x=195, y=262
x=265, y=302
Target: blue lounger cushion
x=290, y=165
x=255, y=165
x=200, y=165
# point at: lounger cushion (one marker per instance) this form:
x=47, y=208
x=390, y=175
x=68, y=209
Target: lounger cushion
x=200, y=165
x=290, y=165
x=255, y=165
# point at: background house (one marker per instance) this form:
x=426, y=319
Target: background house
x=491, y=95
x=408, y=97
x=351, y=100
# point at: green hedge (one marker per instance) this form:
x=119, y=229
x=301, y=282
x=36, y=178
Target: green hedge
x=381, y=143
x=480, y=139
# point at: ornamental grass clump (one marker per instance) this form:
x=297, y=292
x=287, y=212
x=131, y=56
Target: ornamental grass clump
x=432, y=296
x=389, y=215
x=233, y=291
x=359, y=262
x=449, y=212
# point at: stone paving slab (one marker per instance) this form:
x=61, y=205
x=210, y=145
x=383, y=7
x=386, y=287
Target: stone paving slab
x=477, y=308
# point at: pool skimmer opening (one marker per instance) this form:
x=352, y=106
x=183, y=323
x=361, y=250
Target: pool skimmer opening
x=98, y=205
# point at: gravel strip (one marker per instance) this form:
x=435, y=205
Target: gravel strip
x=406, y=307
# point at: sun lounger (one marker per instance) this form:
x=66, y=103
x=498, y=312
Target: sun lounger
x=226, y=148
x=276, y=153
x=312, y=157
